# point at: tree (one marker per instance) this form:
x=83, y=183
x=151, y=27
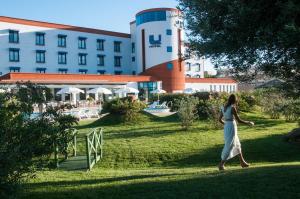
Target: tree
x=27, y=143
x=248, y=36
x=187, y=111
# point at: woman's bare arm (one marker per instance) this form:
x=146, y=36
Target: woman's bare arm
x=220, y=118
x=237, y=117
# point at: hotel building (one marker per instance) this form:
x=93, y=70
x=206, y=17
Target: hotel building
x=153, y=55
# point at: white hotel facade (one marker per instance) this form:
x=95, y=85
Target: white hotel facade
x=150, y=56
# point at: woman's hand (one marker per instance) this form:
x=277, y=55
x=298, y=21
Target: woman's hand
x=250, y=123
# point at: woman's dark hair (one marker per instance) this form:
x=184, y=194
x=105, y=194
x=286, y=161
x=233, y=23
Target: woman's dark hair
x=231, y=100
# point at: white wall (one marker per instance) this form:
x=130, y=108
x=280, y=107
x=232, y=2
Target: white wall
x=213, y=87
x=28, y=49
x=159, y=55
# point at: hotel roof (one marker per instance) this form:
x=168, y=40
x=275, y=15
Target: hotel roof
x=51, y=78
x=54, y=78
x=62, y=26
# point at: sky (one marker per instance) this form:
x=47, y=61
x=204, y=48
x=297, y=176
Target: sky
x=113, y=15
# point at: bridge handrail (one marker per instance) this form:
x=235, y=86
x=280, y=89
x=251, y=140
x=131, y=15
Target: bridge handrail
x=94, y=146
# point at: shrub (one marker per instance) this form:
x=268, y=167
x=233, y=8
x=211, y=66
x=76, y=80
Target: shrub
x=271, y=101
x=127, y=108
x=202, y=95
x=290, y=109
x=187, y=111
x=25, y=143
x=214, y=108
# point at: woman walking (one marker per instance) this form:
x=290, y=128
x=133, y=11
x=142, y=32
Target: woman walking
x=232, y=145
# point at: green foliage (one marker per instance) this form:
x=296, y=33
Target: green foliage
x=290, y=109
x=242, y=34
x=214, y=109
x=246, y=101
x=26, y=143
x=127, y=108
x=271, y=101
x=59, y=125
x=187, y=111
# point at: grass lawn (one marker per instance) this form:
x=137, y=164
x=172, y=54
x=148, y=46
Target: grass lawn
x=156, y=159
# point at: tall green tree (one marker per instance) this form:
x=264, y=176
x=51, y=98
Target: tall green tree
x=248, y=36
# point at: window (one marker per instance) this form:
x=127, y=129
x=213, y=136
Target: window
x=215, y=88
x=233, y=88
x=169, y=49
x=41, y=70
x=118, y=72
x=169, y=32
x=224, y=88
x=13, y=36
x=63, y=70
x=227, y=89
x=14, y=69
x=220, y=88
x=14, y=54
x=62, y=40
x=101, y=72
x=100, y=60
x=82, y=71
x=40, y=56
x=117, y=46
x=100, y=44
x=62, y=57
x=188, y=66
x=169, y=66
x=132, y=47
x=133, y=59
x=118, y=61
x=40, y=38
x=150, y=86
x=82, y=59
x=81, y=42
x=210, y=88
x=151, y=16
x=198, y=67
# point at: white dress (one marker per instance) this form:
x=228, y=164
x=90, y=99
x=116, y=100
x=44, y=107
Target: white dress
x=232, y=145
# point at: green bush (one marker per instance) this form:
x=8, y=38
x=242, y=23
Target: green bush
x=290, y=109
x=127, y=108
x=26, y=143
x=271, y=101
x=246, y=101
x=187, y=111
x=214, y=109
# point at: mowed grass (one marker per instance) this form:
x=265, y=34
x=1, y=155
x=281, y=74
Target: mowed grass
x=156, y=159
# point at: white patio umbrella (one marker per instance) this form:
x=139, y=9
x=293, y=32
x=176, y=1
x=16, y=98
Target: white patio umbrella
x=2, y=90
x=70, y=90
x=190, y=90
x=127, y=90
x=158, y=91
x=100, y=90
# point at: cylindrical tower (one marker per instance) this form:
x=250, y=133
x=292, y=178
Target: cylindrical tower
x=158, y=39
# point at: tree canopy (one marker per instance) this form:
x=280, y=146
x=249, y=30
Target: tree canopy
x=247, y=36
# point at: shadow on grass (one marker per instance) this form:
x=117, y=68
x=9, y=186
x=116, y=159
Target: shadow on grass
x=268, y=149
x=260, y=182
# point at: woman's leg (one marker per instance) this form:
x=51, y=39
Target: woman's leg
x=221, y=165
x=242, y=161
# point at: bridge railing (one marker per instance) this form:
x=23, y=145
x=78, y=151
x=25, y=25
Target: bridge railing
x=94, y=147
